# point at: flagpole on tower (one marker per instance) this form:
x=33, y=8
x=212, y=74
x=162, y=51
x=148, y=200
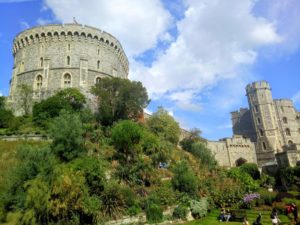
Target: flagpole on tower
x=74, y=20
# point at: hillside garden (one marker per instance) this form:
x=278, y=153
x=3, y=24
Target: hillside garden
x=102, y=166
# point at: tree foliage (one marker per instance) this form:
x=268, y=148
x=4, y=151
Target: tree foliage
x=184, y=179
x=70, y=99
x=25, y=98
x=164, y=125
x=119, y=99
x=67, y=134
x=205, y=155
x=6, y=116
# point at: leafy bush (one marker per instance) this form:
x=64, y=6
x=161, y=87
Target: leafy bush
x=126, y=135
x=266, y=180
x=180, y=212
x=204, y=154
x=154, y=213
x=199, y=208
x=113, y=201
x=244, y=178
x=66, y=132
x=184, y=179
x=164, y=125
x=251, y=169
x=69, y=99
x=267, y=197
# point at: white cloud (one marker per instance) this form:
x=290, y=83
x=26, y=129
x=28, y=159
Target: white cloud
x=286, y=15
x=296, y=97
x=216, y=38
x=1, y=94
x=24, y=25
x=41, y=21
x=138, y=24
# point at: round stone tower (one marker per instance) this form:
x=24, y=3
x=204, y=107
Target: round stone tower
x=53, y=57
x=264, y=119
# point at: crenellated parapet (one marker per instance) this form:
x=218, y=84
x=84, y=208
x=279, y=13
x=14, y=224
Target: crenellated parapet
x=70, y=33
x=257, y=85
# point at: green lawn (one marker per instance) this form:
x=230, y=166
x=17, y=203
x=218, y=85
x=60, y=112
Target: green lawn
x=211, y=219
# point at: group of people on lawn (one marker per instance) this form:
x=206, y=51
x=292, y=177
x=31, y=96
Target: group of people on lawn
x=225, y=215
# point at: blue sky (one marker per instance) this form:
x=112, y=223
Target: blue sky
x=194, y=56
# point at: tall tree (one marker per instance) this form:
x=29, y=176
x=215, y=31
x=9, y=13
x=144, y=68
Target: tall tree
x=25, y=99
x=119, y=99
x=164, y=125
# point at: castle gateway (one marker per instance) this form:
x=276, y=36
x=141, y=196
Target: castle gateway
x=50, y=58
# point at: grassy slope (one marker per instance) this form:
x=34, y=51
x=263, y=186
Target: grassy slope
x=211, y=219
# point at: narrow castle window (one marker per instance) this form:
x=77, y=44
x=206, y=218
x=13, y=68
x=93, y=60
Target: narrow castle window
x=258, y=120
x=261, y=132
x=282, y=109
x=256, y=108
x=41, y=61
x=98, y=79
x=98, y=51
x=288, y=132
x=69, y=47
x=67, y=80
x=98, y=64
x=264, y=146
x=290, y=143
x=284, y=119
x=39, y=82
x=68, y=60
x=299, y=130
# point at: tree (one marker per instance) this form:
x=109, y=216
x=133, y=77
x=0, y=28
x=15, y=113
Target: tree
x=25, y=99
x=193, y=136
x=205, y=155
x=184, y=179
x=251, y=169
x=6, y=116
x=67, y=134
x=126, y=136
x=119, y=99
x=164, y=125
x=70, y=99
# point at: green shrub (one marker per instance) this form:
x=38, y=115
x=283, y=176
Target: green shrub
x=243, y=177
x=134, y=210
x=184, y=179
x=267, y=197
x=199, y=208
x=180, y=212
x=154, y=213
x=251, y=169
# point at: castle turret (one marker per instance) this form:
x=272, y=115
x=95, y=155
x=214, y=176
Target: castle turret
x=264, y=120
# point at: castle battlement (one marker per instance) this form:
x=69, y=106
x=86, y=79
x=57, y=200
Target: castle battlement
x=71, y=33
x=257, y=85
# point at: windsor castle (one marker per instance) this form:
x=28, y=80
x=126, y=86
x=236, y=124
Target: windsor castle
x=50, y=58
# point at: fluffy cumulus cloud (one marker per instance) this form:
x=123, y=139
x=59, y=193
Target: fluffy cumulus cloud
x=286, y=15
x=138, y=24
x=216, y=39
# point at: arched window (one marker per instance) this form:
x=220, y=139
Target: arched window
x=41, y=61
x=68, y=60
x=69, y=47
x=98, y=79
x=67, y=80
x=256, y=108
x=288, y=132
x=290, y=142
x=98, y=51
x=261, y=132
x=98, y=64
x=284, y=119
x=39, y=82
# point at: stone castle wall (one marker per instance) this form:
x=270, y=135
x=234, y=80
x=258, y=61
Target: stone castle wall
x=52, y=57
x=228, y=150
